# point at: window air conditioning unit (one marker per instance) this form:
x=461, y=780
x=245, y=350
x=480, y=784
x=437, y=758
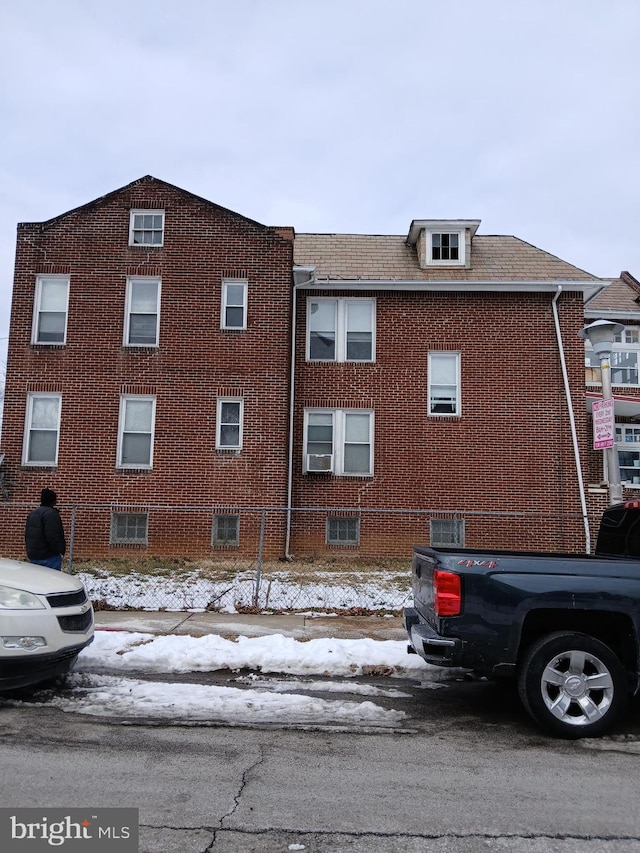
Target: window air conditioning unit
x=320, y=462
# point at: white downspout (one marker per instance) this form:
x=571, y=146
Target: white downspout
x=574, y=436
x=292, y=378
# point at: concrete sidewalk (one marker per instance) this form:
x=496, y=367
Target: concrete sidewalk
x=231, y=625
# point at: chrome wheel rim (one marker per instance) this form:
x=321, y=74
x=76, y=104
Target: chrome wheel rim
x=577, y=688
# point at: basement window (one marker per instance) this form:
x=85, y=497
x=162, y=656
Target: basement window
x=226, y=530
x=129, y=528
x=446, y=533
x=343, y=531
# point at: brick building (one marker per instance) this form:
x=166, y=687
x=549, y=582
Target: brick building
x=446, y=348
x=174, y=367
x=148, y=364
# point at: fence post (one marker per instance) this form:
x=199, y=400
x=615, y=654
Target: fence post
x=263, y=522
x=72, y=533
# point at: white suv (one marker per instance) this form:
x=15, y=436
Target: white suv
x=46, y=619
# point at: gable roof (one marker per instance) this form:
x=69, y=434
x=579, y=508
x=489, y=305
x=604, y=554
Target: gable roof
x=154, y=184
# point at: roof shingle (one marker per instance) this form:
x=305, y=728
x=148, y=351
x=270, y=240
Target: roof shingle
x=374, y=257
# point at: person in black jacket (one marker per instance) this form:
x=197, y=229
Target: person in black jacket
x=44, y=534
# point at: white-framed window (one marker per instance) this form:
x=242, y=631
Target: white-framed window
x=445, y=248
x=234, y=303
x=129, y=528
x=42, y=429
x=229, y=423
x=343, y=531
x=142, y=312
x=135, y=431
x=628, y=443
x=443, y=372
x=446, y=532
x=225, y=530
x=339, y=441
x=146, y=228
x=341, y=329
x=625, y=358
x=50, y=309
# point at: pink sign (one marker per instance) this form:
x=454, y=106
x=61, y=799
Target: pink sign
x=604, y=429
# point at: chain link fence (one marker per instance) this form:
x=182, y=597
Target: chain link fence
x=272, y=559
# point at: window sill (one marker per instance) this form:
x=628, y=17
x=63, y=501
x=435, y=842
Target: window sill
x=334, y=475
x=141, y=347
x=41, y=345
x=41, y=466
x=340, y=361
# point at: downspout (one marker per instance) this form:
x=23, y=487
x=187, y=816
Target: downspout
x=574, y=435
x=292, y=379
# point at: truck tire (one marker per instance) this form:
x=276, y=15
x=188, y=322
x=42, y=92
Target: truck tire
x=572, y=685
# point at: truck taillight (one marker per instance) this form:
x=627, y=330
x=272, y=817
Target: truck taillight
x=447, y=597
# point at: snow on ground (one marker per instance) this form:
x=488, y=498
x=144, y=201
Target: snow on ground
x=272, y=653
x=260, y=699
x=306, y=666
x=277, y=591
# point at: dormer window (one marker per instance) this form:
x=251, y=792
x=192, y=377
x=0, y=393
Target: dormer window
x=443, y=242
x=445, y=246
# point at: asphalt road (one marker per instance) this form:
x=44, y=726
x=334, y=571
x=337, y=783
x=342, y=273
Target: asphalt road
x=466, y=772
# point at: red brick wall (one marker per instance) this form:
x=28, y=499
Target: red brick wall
x=195, y=362
x=509, y=451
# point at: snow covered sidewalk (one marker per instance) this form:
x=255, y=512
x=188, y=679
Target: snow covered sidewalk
x=297, y=625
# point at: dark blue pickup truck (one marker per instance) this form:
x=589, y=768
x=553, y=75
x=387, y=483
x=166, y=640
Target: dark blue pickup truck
x=565, y=626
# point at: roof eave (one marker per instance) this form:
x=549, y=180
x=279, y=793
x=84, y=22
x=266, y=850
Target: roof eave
x=617, y=313
x=522, y=286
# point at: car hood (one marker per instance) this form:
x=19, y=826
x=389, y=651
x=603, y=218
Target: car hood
x=36, y=579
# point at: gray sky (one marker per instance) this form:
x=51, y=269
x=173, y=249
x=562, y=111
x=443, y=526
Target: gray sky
x=332, y=115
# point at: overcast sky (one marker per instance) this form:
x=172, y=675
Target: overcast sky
x=332, y=115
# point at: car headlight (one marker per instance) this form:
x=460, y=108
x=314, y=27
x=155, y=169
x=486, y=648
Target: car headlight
x=19, y=599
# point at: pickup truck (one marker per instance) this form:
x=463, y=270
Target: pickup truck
x=566, y=627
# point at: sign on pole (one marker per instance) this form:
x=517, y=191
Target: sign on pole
x=604, y=428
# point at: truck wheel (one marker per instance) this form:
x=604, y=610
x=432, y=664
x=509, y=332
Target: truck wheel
x=572, y=685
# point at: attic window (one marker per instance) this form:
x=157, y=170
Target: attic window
x=444, y=248
x=146, y=228
x=443, y=242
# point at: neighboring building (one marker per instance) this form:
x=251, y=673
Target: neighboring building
x=619, y=303
x=174, y=367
